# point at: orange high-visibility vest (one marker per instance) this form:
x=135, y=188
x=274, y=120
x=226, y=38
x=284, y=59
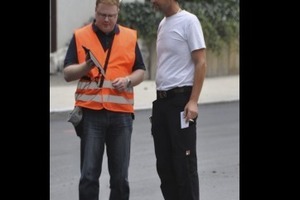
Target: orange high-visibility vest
x=121, y=61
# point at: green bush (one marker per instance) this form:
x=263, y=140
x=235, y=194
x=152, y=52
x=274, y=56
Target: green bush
x=219, y=19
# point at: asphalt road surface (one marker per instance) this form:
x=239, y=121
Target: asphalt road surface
x=217, y=148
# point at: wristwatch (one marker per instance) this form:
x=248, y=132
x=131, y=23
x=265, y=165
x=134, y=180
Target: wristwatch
x=128, y=81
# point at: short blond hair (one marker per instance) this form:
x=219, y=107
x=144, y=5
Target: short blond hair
x=110, y=2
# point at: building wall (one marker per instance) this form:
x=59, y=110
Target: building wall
x=227, y=62
x=71, y=14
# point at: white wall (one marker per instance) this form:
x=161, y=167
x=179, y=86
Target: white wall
x=72, y=14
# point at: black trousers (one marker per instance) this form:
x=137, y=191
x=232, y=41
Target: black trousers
x=175, y=149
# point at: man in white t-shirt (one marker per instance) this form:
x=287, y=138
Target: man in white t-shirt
x=181, y=69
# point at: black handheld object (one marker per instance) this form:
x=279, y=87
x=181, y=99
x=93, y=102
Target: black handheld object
x=91, y=56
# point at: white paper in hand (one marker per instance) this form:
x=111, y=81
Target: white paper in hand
x=183, y=123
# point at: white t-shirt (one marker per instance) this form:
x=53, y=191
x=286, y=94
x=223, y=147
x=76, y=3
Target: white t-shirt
x=177, y=36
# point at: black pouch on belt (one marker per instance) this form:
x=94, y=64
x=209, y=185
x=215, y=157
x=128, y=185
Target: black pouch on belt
x=75, y=117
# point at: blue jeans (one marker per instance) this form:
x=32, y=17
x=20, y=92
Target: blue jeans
x=111, y=129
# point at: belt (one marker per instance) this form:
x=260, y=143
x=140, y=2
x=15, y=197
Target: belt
x=173, y=92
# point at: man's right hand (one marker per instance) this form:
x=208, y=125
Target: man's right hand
x=88, y=59
x=90, y=63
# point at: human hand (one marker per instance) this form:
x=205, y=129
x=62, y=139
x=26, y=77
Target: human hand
x=120, y=83
x=190, y=111
x=88, y=60
x=90, y=63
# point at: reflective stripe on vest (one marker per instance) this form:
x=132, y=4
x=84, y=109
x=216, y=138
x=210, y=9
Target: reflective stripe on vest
x=104, y=98
x=89, y=91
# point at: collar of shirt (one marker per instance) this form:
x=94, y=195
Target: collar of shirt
x=104, y=38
